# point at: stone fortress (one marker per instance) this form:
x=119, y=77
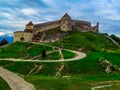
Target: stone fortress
x=54, y=30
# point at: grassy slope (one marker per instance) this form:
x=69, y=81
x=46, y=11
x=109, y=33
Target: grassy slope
x=81, y=82
x=95, y=43
x=67, y=54
x=22, y=50
x=28, y=50
x=87, y=41
x=88, y=65
x=3, y=85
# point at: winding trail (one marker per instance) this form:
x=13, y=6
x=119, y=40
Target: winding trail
x=79, y=55
x=14, y=81
x=103, y=86
x=17, y=83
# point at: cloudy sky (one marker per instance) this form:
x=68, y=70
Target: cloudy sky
x=15, y=14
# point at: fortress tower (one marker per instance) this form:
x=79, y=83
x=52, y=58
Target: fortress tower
x=29, y=27
x=66, y=23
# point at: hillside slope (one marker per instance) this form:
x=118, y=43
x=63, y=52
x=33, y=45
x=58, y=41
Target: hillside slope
x=75, y=75
x=87, y=41
x=24, y=50
x=97, y=45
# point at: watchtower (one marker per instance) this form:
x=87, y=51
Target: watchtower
x=66, y=23
x=29, y=27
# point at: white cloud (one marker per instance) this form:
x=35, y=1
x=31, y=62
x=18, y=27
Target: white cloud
x=110, y=14
x=29, y=11
x=2, y=33
x=113, y=17
x=6, y=15
x=8, y=33
x=49, y=2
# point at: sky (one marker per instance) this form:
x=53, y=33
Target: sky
x=15, y=14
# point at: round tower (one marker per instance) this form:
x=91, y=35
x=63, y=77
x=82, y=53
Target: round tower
x=66, y=23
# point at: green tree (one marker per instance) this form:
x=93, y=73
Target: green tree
x=44, y=53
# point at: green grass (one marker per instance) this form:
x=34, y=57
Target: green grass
x=25, y=50
x=14, y=50
x=67, y=54
x=56, y=84
x=85, y=73
x=54, y=56
x=81, y=82
x=3, y=85
x=114, y=87
x=88, y=65
x=87, y=41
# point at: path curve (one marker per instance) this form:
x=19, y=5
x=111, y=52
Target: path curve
x=17, y=83
x=103, y=86
x=14, y=81
x=79, y=56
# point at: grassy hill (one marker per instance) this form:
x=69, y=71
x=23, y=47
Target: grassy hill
x=97, y=45
x=84, y=73
x=25, y=50
x=89, y=65
x=87, y=41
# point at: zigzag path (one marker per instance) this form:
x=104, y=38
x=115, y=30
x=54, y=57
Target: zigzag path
x=17, y=83
x=79, y=55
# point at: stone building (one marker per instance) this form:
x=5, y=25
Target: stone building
x=37, y=32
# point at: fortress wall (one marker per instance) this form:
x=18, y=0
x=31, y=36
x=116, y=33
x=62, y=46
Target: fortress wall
x=47, y=27
x=27, y=36
x=81, y=22
x=95, y=29
x=82, y=26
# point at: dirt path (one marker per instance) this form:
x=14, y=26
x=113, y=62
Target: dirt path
x=79, y=55
x=14, y=81
x=110, y=84
x=17, y=83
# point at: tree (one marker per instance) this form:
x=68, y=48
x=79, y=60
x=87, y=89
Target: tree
x=3, y=42
x=117, y=39
x=44, y=53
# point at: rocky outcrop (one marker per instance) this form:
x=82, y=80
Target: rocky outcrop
x=50, y=35
x=108, y=66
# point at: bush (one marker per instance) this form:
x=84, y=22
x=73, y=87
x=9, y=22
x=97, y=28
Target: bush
x=3, y=42
x=117, y=39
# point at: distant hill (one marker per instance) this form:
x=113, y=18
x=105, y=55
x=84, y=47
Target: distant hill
x=7, y=37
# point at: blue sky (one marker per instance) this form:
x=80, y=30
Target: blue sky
x=15, y=14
